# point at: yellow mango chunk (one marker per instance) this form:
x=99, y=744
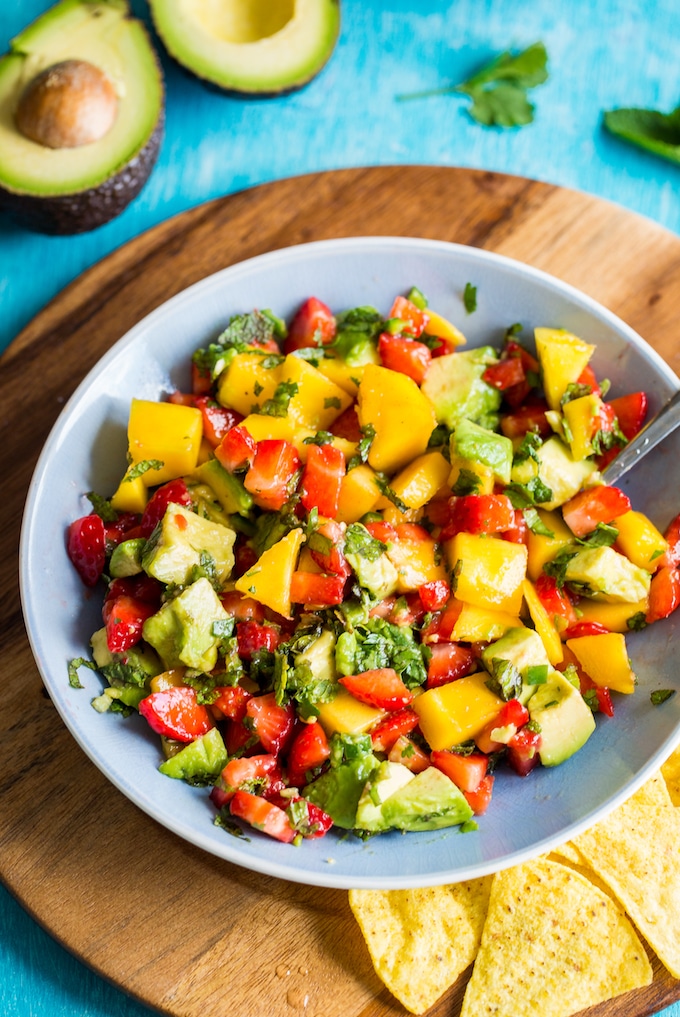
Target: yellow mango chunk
x=543, y=624
x=402, y=416
x=614, y=617
x=640, y=540
x=455, y=712
x=246, y=382
x=414, y=558
x=489, y=571
x=542, y=549
x=562, y=357
x=582, y=417
x=481, y=624
x=359, y=494
x=444, y=329
x=604, y=658
x=269, y=579
x=318, y=400
x=485, y=474
x=347, y=715
x=130, y=496
x=415, y=485
x=339, y=372
x=168, y=432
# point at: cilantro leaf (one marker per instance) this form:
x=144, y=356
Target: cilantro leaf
x=658, y=133
x=470, y=298
x=467, y=482
x=278, y=405
x=139, y=469
x=359, y=541
x=504, y=678
x=243, y=332
x=660, y=696
x=102, y=507
x=363, y=447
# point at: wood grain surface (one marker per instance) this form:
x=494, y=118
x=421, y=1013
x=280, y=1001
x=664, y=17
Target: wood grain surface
x=178, y=929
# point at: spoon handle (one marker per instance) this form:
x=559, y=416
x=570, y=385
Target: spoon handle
x=663, y=424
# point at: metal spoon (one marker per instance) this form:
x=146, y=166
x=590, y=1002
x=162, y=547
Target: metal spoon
x=658, y=428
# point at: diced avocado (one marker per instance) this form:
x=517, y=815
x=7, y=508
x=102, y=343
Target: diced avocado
x=200, y=762
x=374, y=571
x=607, y=575
x=320, y=655
x=338, y=790
x=428, y=802
x=140, y=660
x=126, y=559
x=183, y=630
x=81, y=94
x=559, y=471
x=522, y=647
x=387, y=780
x=229, y=490
x=565, y=719
x=455, y=387
x=480, y=445
x=184, y=542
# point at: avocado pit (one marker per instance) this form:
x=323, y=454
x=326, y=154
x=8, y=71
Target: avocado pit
x=70, y=104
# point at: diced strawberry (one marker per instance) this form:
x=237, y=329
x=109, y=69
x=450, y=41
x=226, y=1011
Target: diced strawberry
x=245, y=556
x=448, y=662
x=505, y=373
x=312, y=325
x=314, y=588
x=120, y=529
x=252, y=636
x=409, y=754
x=479, y=513
x=217, y=420
x=309, y=751
x=271, y=475
x=232, y=701
x=518, y=533
x=242, y=607
x=273, y=724
x=236, y=450
x=585, y=510
x=382, y=531
x=664, y=594
x=529, y=417
x=86, y=547
x=434, y=595
x=671, y=556
x=327, y=548
x=523, y=749
x=556, y=602
x=174, y=492
x=604, y=701
x=414, y=319
x=316, y=822
x=386, y=732
x=262, y=815
x=260, y=774
x=587, y=377
x=125, y=621
x=381, y=687
x=587, y=628
x=321, y=479
x=239, y=740
x=175, y=713
x=512, y=716
x=631, y=411
x=480, y=798
x=201, y=381
x=406, y=356
x=347, y=425
x=466, y=772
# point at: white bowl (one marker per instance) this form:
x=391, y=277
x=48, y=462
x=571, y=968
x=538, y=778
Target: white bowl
x=86, y=451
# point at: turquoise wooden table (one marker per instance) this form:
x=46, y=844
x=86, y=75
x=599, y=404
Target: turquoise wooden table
x=602, y=55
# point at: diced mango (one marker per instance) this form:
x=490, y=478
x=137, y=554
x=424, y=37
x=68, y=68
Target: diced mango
x=359, y=494
x=614, y=617
x=562, y=357
x=543, y=624
x=484, y=474
x=339, y=372
x=582, y=416
x=130, y=496
x=415, y=560
x=168, y=679
x=640, y=540
x=168, y=432
x=481, y=624
x=346, y=715
x=318, y=400
x=604, y=658
x=402, y=416
x=456, y=712
x=443, y=329
x=247, y=382
x=417, y=484
x=269, y=579
x=542, y=549
x=489, y=571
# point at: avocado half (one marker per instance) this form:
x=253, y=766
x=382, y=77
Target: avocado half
x=82, y=59
x=251, y=47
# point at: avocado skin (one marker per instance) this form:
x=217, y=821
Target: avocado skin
x=67, y=214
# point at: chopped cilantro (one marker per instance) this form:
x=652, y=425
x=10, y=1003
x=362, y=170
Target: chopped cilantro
x=383, y=485
x=470, y=298
x=527, y=449
x=73, y=665
x=320, y=438
x=278, y=405
x=243, y=332
x=102, y=507
x=660, y=696
x=604, y=535
x=526, y=495
x=656, y=132
x=504, y=678
x=467, y=482
x=332, y=403
x=575, y=390
x=536, y=524
x=139, y=469
x=363, y=447
x=557, y=568
x=637, y=622
x=360, y=542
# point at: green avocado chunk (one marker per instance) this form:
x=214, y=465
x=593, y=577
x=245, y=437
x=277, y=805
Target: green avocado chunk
x=560, y=472
x=606, y=575
x=388, y=779
x=200, y=762
x=522, y=647
x=338, y=790
x=260, y=48
x=183, y=631
x=126, y=559
x=79, y=55
x=455, y=387
x=430, y=801
x=480, y=445
x=185, y=542
x=228, y=489
x=565, y=719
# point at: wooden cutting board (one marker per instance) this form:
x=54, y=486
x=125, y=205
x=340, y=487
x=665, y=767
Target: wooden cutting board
x=180, y=930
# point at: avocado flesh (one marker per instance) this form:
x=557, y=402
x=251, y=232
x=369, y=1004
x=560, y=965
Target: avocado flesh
x=263, y=47
x=455, y=387
x=565, y=719
x=70, y=190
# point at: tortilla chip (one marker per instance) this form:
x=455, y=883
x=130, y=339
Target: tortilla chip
x=671, y=774
x=636, y=852
x=568, y=852
x=653, y=792
x=552, y=945
x=421, y=940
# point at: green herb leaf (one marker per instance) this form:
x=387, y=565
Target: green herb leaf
x=278, y=405
x=102, y=507
x=536, y=524
x=505, y=679
x=660, y=696
x=363, y=447
x=604, y=535
x=656, y=132
x=360, y=542
x=467, y=482
x=139, y=469
x=73, y=679
x=320, y=438
x=383, y=486
x=537, y=674
x=470, y=298
x=637, y=622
